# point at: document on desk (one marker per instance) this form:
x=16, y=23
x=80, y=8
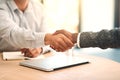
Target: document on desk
x=17, y=56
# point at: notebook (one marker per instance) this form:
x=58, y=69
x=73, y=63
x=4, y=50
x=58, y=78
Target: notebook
x=17, y=55
x=12, y=55
x=54, y=62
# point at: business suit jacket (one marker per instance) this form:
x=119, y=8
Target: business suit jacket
x=103, y=39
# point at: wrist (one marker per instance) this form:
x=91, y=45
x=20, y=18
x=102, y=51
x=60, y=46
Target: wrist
x=47, y=39
x=74, y=37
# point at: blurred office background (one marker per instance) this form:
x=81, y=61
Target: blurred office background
x=81, y=15
x=62, y=14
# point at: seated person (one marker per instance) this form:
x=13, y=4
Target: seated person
x=23, y=27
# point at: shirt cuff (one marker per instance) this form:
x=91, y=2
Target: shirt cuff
x=46, y=49
x=78, y=40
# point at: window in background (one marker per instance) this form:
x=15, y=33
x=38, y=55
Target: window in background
x=97, y=15
x=62, y=14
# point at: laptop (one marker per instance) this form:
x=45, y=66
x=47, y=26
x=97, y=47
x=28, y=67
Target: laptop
x=54, y=62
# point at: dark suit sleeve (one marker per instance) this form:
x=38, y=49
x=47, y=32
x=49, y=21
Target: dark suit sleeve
x=103, y=39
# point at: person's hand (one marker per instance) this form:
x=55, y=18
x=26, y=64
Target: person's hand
x=31, y=52
x=71, y=36
x=66, y=33
x=58, y=42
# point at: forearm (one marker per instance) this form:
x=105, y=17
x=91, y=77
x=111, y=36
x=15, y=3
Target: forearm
x=17, y=36
x=102, y=39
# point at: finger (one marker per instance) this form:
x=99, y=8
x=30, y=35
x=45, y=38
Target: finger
x=68, y=42
x=66, y=33
x=60, y=45
x=28, y=55
x=63, y=43
x=56, y=47
x=23, y=50
x=32, y=51
x=35, y=51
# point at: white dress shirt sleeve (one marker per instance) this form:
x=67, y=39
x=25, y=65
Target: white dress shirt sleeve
x=17, y=36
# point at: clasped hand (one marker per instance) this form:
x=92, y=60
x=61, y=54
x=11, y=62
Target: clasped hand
x=61, y=40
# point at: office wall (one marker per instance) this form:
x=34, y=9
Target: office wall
x=62, y=14
x=97, y=15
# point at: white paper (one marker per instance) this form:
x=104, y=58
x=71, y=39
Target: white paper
x=12, y=55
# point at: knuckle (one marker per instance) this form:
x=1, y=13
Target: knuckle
x=58, y=40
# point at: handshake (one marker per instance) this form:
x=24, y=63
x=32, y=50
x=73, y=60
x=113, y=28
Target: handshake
x=61, y=40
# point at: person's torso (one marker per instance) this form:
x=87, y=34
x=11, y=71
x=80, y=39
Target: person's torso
x=31, y=19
